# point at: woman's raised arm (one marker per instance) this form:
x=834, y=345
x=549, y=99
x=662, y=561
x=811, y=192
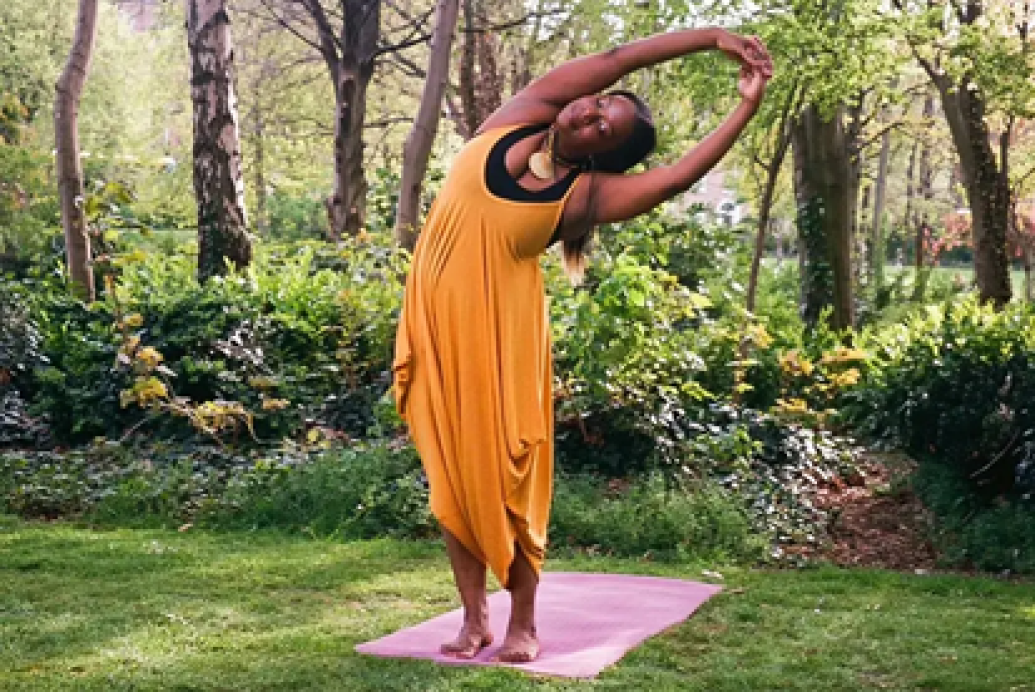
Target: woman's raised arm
x=542, y=99
x=621, y=197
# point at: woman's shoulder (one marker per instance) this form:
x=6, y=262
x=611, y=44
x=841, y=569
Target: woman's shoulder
x=519, y=110
x=498, y=131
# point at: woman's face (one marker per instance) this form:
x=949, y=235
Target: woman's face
x=594, y=124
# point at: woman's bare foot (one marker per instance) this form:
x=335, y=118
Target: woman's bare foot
x=520, y=646
x=468, y=643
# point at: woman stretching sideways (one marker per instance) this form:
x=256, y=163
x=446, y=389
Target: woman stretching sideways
x=472, y=367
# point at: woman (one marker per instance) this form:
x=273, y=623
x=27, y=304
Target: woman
x=472, y=363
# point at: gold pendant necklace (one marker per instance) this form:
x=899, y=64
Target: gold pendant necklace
x=541, y=162
x=541, y=165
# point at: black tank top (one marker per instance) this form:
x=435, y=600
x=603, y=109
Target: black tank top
x=501, y=184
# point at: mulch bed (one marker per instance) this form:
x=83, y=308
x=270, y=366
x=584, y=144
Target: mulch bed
x=876, y=522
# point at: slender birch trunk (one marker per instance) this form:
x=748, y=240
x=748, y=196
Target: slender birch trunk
x=218, y=181
x=877, y=253
x=69, y=91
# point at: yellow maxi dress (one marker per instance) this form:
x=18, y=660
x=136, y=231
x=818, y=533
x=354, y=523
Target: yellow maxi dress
x=472, y=367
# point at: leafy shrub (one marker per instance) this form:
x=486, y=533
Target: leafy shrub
x=973, y=531
x=703, y=257
x=297, y=345
x=649, y=518
x=364, y=492
x=775, y=468
x=29, y=217
x=360, y=492
x=906, y=292
x=627, y=364
x=77, y=389
x=18, y=427
x=293, y=217
x=955, y=385
x=20, y=353
x=48, y=484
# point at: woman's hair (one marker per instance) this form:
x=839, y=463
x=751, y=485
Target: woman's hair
x=633, y=150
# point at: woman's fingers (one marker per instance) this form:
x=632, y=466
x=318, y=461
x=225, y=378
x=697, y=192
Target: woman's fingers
x=751, y=84
x=749, y=51
x=759, y=56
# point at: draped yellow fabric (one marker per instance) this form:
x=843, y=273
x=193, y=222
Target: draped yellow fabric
x=472, y=367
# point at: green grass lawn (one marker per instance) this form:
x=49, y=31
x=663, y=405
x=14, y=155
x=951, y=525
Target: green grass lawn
x=966, y=275
x=84, y=609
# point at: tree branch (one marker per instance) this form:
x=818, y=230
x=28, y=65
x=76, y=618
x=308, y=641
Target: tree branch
x=403, y=45
x=287, y=25
x=409, y=68
x=330, y=46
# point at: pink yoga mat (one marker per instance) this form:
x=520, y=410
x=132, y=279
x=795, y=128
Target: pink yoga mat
x=585, y=622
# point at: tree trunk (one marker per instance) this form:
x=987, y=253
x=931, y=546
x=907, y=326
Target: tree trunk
x=907, y=215
x=765, y=206
x=986, y=184
x=764, y=210
x=352, y=71
x=261, y=198
x=218, y=181
x=877, y=252
x=422, y=136
x=1029, y=290
x=924, y=232
x=480, y=78
x=69, y=90
x=823, y=189
x=853, y=125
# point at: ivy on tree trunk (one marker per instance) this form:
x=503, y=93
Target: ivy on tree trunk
x=825, y=199
x=966, y=105
x=987, y=186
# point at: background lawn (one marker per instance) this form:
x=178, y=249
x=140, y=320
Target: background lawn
x=83, y=609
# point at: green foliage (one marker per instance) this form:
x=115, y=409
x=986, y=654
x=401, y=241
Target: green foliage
x=774, y=467
x=627, y=360
x=635, y=345
x=955, y=384
x=359, y=492
x=648, y=368
x=132, y=122
x=20, y=354
x=973, y=531
x=28, y=195
x=647, y=518
x=365, y=492
x=33, y=37
x=20, y=341
x=984, y=50
x=293, y=218
x=77, y=389
x=905, y=293
x=298, y=345
x=135, y=120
